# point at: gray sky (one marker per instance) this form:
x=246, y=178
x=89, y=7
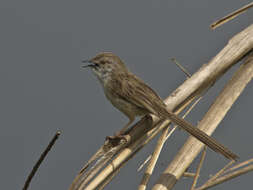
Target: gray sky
x=43, y=89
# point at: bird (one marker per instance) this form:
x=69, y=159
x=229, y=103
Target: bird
x=133, y=97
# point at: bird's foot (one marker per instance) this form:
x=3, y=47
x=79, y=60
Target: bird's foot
x=116, y=139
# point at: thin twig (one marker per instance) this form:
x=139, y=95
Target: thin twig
x=153, y=160
x=227, y=177
x=144, y=163
x=226, y=171
x=219, y=173
x=202, y=158
x=240, y=165
x=188, y=75
x=231, y=16
x=189, y=174
x=40, y=160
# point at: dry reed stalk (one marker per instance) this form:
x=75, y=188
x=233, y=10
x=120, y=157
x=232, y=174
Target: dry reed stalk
x=212, y=118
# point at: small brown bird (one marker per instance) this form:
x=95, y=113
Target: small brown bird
x=133, y=97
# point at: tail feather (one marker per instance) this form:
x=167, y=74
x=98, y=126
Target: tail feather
x=200, y=135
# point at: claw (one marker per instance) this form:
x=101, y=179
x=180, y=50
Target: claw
x=115, y=140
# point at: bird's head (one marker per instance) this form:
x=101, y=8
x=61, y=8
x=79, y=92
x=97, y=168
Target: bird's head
x=105, y=64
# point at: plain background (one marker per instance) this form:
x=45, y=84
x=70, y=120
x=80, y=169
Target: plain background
x=44, y=90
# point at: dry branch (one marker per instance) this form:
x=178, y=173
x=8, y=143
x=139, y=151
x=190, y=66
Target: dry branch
x=208, y=124
x=40, y=160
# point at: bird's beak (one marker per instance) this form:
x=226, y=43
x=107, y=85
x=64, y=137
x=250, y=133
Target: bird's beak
x=89, y=65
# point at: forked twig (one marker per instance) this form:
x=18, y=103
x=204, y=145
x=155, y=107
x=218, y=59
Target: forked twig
x=40, y=160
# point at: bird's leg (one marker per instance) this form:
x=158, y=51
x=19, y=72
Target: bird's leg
x=120, y=134
x=123, y=130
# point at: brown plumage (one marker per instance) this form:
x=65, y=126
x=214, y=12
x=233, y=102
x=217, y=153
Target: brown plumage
x=134, y=98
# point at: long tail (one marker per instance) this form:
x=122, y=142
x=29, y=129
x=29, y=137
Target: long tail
x=200, y=135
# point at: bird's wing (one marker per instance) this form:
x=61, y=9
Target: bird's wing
x=140, y=94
